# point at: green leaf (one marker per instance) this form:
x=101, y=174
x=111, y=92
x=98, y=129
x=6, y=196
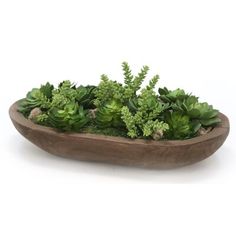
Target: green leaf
x=47, y=90
x=196, y=125
x=194, y=113
x=210, y=122
x=86, y=96
x=209, y=114
x=163, y=91
x=128, y=77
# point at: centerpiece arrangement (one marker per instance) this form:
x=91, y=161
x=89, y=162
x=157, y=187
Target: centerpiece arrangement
x=124, y=112
x=112, y=108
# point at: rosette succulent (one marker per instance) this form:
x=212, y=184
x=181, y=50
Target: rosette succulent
x=120, y=109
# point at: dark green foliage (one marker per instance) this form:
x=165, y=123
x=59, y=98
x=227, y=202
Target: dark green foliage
x=117, y=109
x=34, y=98
x=132, y=104
x=202, y=113
x=86, y=96
x=188, y=106
x=47, y=90
x=179, y=126
x=62, y=108
x=172, y=96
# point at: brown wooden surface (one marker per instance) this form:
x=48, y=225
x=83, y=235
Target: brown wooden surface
x=119, y=150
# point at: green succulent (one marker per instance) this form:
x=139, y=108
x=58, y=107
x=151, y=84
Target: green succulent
x=172, y=96
x=109, y=115
x=86, y=96
x=40, y=98
x=65, y=94
x=208, y=116
x=148, y=103
x=72, y=118
x=142, y=115
x=42, y=119
x=132, y=83
x=200, y=114
x=132, y=104
x=155, y=129
x=131, y=122
x=179, y=126
x=137, y=125
x=203, y=113
x=47, y=90
x=127, y=110
x=108, y=90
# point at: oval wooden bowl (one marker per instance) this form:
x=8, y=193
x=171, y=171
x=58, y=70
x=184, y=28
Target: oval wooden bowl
x=119, y=150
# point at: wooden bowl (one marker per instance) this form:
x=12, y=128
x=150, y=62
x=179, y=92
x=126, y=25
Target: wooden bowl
x=119, y=150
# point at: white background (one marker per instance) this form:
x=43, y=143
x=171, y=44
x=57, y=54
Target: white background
x=191, y=44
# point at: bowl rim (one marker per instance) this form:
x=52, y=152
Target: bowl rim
x=221, y=129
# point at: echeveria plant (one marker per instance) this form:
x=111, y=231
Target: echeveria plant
x=116, y=109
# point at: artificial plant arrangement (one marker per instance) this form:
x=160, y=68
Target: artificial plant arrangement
x=116, y=109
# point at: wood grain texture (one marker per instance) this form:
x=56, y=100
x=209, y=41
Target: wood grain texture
x=119, y=150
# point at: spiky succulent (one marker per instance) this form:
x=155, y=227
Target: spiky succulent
x=143, y=117
x=127, y=110
x=138, y=126
x=108, y=90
